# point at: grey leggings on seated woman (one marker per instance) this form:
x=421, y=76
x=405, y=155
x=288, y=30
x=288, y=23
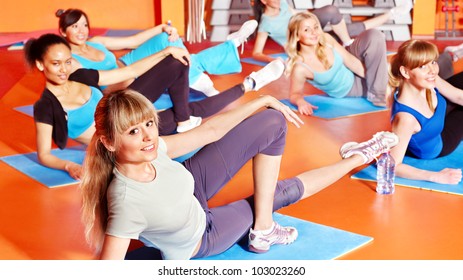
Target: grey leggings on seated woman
x=215, y=164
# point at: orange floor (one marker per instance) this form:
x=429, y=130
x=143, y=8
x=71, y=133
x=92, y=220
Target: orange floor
x=42, y=223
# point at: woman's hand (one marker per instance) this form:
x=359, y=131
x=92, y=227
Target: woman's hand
x=304, y=107
x=272, y=102
x=448, y=176
x=172, y=32
x=74, y=170
x=180, y=54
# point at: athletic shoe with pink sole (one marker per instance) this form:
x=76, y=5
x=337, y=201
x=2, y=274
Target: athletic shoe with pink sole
x=260, y=243
x=380, y=143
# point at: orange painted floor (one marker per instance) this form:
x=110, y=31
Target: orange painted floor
x=42, y=223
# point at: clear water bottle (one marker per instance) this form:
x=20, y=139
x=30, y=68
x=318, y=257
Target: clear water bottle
x=385, y=174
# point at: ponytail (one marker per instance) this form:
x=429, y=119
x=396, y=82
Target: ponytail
x=98, y=167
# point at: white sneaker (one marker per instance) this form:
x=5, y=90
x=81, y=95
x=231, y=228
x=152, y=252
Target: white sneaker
x=401, y=10
x=205, y=85
x=380, y=143
x=260, y=242
x=266, y=75
x=243, y=33
x=455, y=51
x=194, y=122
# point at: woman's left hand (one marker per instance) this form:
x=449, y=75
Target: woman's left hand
x=180, y=54
x=172, y=32
x=290, y=115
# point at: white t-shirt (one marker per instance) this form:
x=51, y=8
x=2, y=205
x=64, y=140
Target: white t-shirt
x=162, y=213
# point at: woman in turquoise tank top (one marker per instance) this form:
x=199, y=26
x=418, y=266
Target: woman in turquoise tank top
x=273, y=17
x=316, y=57
x=420, y=117
x=67, y=105
x=95, y=52
x=63, y=95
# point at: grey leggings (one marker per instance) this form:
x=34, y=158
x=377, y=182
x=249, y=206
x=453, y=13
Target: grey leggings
x=370, y=48
x=215, y=164
x=330, y=14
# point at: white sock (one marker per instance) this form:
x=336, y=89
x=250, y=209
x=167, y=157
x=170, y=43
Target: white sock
x=236, y=42
x=348, y=43
x=267, y=231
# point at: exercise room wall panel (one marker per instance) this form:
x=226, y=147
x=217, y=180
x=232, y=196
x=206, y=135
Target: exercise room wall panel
x=31, y=15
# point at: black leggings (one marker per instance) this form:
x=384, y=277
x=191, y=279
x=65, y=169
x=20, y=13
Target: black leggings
x=452, y=134
x=168, y=74
x=171, y=74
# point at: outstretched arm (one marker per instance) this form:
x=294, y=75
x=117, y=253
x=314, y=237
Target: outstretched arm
x=449, y=91
x=219, y=125
x=132, y=42
x=259, y=44
x=298, y=78
x=46, y=158
x=138, y=68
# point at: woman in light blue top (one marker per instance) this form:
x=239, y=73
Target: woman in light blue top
x=273, y=17
x=316, y=57
x=94, y=53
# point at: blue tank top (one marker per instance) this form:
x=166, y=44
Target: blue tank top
x=108, y=63
x=336, y=81
x=427, y=143
x=80, y=119
x=276, y=26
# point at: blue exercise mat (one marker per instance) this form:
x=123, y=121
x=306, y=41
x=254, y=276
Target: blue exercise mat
x=315, y=242
x=454, y=160
x=163, y=102
x=27, y=109
x=332, y=108
x=51, y=178
x=251, y=60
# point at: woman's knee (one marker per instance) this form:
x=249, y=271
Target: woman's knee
x=273, y=127
x=374, y=42
x=328, y=14
x=173, y=65
x=273, y=119
x=375, y=37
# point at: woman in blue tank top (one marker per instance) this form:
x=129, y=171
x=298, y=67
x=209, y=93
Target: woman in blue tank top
x=316, y=57
x=426, y=127
x=95, y=52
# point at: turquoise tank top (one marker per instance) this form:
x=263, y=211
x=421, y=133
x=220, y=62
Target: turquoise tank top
x=80, y=119
x=336, y=81
x=276, y=26
x=108, y=63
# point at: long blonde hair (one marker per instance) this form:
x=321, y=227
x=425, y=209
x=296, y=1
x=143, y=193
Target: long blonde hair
x=412, y=54
x=115, y=113
x=293, y=47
